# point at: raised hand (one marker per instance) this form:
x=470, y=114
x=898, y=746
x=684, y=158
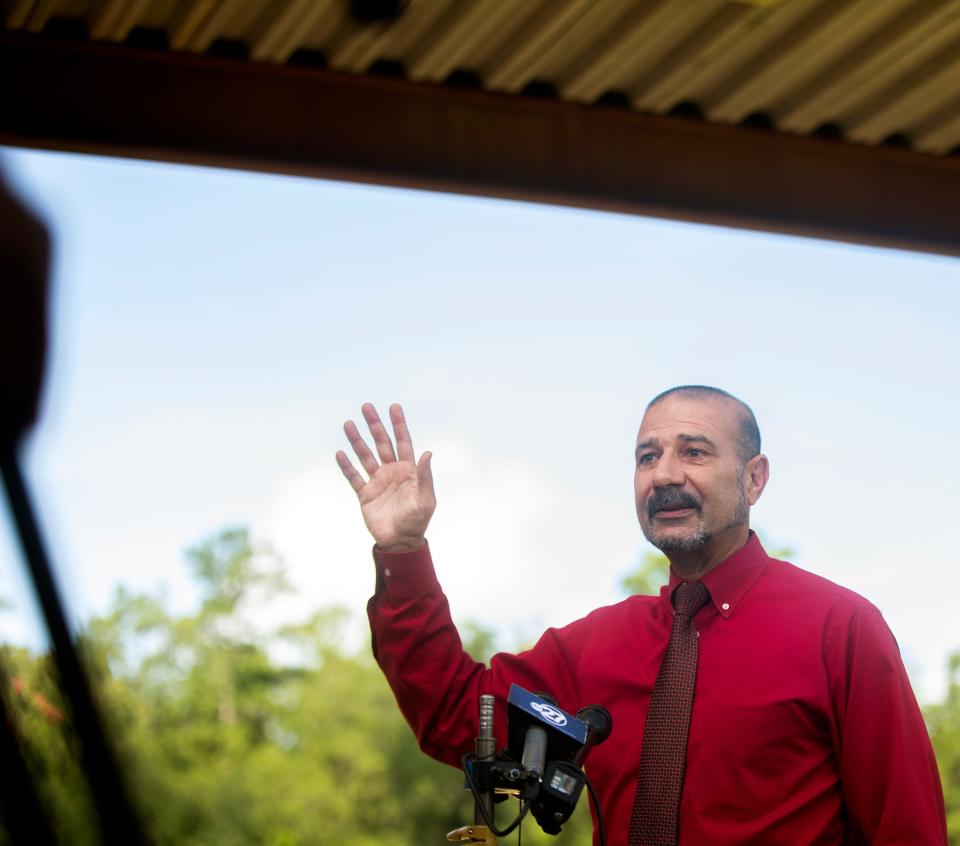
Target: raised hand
x=397, y=500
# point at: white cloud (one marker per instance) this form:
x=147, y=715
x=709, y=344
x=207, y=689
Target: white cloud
x=514, y=549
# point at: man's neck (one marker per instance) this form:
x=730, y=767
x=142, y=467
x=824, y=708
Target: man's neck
x=692, y=566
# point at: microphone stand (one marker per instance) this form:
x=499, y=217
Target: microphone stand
x=479, y=832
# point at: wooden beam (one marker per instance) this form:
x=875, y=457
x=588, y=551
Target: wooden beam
x=166, y=106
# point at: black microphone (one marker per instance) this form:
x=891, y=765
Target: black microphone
x=564, y=779
x=599, y=725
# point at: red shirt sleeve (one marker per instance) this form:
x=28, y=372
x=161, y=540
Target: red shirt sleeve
x=888, y=772
x=436, y=683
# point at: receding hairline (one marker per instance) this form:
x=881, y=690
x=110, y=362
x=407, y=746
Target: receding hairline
x=748, y=436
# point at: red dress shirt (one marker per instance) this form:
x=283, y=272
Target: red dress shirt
x=804, y=729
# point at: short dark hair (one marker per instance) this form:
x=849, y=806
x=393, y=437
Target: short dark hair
x=748, y=439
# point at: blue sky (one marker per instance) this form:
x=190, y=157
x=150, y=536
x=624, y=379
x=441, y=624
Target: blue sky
x=212, y=330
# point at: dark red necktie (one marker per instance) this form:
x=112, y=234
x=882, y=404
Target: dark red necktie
x=656, y=804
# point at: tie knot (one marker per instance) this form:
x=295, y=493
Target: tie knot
x=690, y=597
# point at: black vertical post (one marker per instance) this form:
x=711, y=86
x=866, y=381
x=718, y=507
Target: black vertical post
x=119, y=825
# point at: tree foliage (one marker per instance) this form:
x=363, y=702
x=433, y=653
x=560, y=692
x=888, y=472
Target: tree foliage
x=233, y=734
x=943, y=720
x=41, y=726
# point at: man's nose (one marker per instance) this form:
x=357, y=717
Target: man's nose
x=668, y=473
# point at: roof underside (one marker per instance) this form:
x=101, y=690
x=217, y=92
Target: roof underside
x=878, y=78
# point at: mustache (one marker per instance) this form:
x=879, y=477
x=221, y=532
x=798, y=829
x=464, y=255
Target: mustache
x=670, y=499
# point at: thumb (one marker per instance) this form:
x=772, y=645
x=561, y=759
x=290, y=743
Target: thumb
x=424, y=473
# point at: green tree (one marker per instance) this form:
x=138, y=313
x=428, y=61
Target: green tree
x=43, y=730
x=943, y=721
x=649, y=576
x=229, y=745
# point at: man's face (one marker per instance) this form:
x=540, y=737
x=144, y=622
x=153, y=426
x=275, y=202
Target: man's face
x=690, y=479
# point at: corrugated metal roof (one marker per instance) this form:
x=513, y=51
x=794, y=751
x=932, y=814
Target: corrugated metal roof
x=872, y=71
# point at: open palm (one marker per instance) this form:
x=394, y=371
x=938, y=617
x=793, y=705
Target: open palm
x=397, y=498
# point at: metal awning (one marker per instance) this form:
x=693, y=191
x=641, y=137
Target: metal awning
x=817, y=117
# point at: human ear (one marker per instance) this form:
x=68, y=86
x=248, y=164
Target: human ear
x=756, y=473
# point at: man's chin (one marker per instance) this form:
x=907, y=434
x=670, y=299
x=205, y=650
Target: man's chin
x=678, y=539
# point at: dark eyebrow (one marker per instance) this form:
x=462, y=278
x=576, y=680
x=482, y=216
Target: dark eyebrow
x=687, y=439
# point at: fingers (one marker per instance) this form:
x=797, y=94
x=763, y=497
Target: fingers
x=383, y=445
x=370, y=464
x=349, y=471
x=401, y=433
x=381, y=440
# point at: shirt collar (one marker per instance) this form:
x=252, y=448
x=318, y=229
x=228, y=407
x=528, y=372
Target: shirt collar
x=730, y=580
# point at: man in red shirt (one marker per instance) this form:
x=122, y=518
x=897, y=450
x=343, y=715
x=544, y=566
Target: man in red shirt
x=803, y=727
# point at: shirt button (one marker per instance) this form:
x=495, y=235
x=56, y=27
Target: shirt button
x=725, y=606
x=386, y=571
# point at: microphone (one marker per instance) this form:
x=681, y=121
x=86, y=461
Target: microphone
x=537, y=726
x=542, y=762
x=486, y=749
x=534, y=757
x=599, y=725
x=564, y=778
